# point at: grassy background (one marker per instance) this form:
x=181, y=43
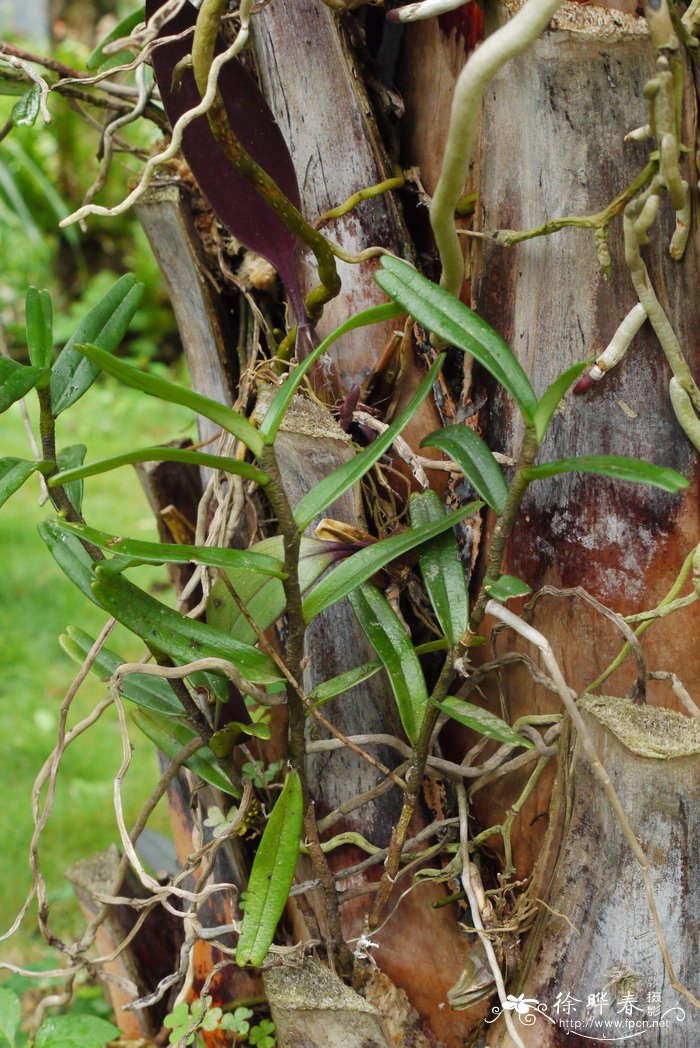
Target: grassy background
x=37, y=602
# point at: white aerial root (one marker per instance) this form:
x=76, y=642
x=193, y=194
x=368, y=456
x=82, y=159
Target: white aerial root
x=425, y=9
x=518, y=33
x=176, y=141
x=620, y=342
x=540, y=641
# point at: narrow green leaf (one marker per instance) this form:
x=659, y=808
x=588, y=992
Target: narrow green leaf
x=506, y=587
x=272, y=874
x=10, y=1014
x=170, y=735
x=264, y=597
x=330, y=689
x=481, y=720
x=13, y=473
x=165, y=630
x=368, y=561
x=105, y=325
x=38, y=312
x=387, y=635
x=26, y=108
x=342, y=478
x=152, y=693
x=172, y=553
x=616, y=466
x=441, y=567
x=163, y=454
x=223, y=416
x=124, y=28
x=476, y=461
x=553, y=395
x=439, y=311
x=223, y=741
x=70, y=556
x=16, y=380
x=69, y=458
x=276, y=411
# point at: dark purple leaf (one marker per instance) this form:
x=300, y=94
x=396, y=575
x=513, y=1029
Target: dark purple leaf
x=237, y=205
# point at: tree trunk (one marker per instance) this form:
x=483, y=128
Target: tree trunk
x=551, y=144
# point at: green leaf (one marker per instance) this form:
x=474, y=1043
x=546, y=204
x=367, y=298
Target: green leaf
x=480, y=720
x=124, y=28
x=105, y=325
x=505, y=587
x=13, y=473
x=553, y=395
x=475, y=460
x=264, y=597
x=67, y=459
x=152, y=693
x=10, y=1014
x=173, y=553
x=368, y=561
x=26, y=108
x=223, y=416
x=330, y=689
x=223, y=741
x=163, y=454
x=75, y=1031
x=387, y=635
x=276, y=411
x=272, y=874
x=70, y=556
x=616, y=466
x=342, y=478
x=171, y=735
x=439, y=311
x=38, y=312
x=16, y=380
x=441, y=567
x=165, y=630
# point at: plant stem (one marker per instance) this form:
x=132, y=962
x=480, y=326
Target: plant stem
x=291, y=539
x=505, y=523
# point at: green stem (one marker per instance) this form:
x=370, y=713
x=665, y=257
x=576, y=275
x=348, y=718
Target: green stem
x=291, y=540
x=505, y=523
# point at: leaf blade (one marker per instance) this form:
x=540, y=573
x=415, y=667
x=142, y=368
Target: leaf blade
x=386, y=634
x=170, y=736
x=174, y=553
x=16, y=380
x=441, y=568
x=439, y=311
x=183, y=639
x=342, y=478
x=617, y=466
x=368, y=561
x=38, y=312
x=13, y=474
x=162, y=454
x=481, y=720
x=553, y=395
x=105, y=325
x=222, y=415
x=272, y=874
x=275, y=413
x=151, y=693
x=476, y=461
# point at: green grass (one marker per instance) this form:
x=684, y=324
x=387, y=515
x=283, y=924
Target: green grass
x=37, y=602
